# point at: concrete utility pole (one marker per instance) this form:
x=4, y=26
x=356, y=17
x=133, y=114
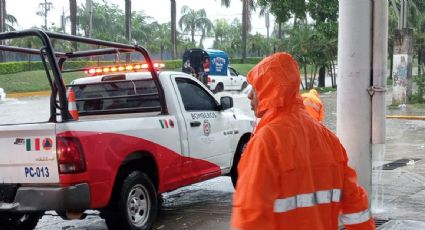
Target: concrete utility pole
x=361, y=62
x=403, y=57
x=44, y=9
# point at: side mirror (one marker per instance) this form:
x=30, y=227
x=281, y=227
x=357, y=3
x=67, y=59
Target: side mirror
x=226, y=102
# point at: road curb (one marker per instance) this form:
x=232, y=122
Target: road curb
x=29, y=94
x=405, y=117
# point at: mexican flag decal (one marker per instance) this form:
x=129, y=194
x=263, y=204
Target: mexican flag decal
x=165, y=124
x=33, y=144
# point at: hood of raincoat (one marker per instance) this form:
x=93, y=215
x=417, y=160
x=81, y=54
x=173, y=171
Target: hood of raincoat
x=276, y=81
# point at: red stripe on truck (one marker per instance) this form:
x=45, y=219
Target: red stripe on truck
x=104, y=153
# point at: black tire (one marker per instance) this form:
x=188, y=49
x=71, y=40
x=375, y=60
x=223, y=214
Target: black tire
x=19, y=221
x=219, y=88
x=136, y=204
x=234, y=170
x=244, y=85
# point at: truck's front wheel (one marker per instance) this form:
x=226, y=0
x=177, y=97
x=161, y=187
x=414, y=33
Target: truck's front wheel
x=19, y=221
x=234, y=170
x=136, y=205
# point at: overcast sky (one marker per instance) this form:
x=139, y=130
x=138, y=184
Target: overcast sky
x=25, y=11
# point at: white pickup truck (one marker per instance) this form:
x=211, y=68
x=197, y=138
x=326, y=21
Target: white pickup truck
x=138, y=134
x=233, y=81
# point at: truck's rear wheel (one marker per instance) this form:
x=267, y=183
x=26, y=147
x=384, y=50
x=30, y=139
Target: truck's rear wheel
x=136, y=205
x=19, y=221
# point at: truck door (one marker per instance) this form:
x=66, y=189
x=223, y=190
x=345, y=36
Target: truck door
x=28, y=154
x=207, y=127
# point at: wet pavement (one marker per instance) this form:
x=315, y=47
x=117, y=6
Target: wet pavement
x=398, y=191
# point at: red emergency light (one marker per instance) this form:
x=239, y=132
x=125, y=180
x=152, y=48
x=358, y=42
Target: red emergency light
x=94, y=71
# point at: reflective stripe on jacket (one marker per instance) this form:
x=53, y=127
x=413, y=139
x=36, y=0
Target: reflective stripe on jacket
x=294, y=172
x=314, y=106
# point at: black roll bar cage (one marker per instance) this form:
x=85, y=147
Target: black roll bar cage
x=57, y=59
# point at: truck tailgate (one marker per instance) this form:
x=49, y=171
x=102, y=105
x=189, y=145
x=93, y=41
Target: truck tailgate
x=28, y=154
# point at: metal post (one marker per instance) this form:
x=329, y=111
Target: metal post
x=377, y=91
x=353, y=99
x=380, y=52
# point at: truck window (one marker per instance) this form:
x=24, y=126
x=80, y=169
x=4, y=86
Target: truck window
x=194, y=97
x=117, y=97
x=232, y=72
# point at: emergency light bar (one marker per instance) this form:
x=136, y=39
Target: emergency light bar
x=121, y=68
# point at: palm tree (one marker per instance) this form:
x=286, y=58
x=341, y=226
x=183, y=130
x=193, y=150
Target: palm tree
x=194, y=20
x=7, y=22
x=173, y=28
x=73, y=17
x=207, y=28
x=247, y=7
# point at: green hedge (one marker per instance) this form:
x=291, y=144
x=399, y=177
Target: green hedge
x=16, y=67
x=250, y=60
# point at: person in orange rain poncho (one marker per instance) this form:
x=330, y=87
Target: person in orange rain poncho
x=293, y=173
x=313, y=104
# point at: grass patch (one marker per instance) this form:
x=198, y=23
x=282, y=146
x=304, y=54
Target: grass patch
x=418, y=105
x=389, y=81
x=243, y=68
x=31, y=81
x=393, y=107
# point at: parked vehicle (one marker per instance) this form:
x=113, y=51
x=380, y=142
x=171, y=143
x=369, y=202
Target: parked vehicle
x=212, y=68
x=127, y=138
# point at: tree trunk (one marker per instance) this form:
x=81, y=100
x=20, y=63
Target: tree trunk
x=173, y=29
x=162, y=52
x=322, y=75
x=305, y=76
x=280, y=31
x=192, y=33
x=421, y=78
x=245, y=22
x=314, y=78
x=73, y=17
x=391, y=54
x=128, y=27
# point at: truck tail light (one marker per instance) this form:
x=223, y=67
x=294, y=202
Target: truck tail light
x=70, y=155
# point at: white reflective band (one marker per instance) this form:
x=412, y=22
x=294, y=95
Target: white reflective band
x=72, y=106
x=355, y=218
x=307, y=200
x=312, y=104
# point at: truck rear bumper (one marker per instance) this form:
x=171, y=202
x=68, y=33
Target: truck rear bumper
x=31, y=199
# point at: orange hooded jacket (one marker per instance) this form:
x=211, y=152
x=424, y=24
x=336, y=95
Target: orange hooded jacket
x=293, y=173
x=313, y=104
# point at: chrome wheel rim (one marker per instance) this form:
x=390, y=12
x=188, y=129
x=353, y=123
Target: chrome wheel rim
x=138, y=205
